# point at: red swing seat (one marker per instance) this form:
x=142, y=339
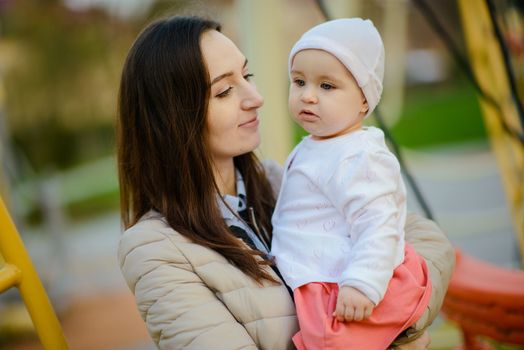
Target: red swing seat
x=485, y=300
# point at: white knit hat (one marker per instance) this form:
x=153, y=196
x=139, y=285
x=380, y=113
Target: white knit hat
x=356, y=43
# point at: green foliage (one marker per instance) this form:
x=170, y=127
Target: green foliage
x=440, y=115
x=96, y=205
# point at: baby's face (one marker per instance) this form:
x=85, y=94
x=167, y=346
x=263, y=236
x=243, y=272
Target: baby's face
x=324, y=98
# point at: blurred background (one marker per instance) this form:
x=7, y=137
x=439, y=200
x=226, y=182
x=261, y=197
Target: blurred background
x=60, y=63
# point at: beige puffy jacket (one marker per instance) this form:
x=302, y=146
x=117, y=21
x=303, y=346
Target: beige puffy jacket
x=190, y=297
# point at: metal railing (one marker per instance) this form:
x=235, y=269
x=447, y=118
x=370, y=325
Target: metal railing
x=17, y=270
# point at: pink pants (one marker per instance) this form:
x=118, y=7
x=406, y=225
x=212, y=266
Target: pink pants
x=405, y=300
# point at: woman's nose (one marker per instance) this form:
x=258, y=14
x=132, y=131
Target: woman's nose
x=252, y=99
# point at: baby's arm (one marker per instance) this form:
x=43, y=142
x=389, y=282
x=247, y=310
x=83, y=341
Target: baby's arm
x=367, y=189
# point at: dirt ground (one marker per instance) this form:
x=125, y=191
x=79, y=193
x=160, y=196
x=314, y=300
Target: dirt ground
x=102, y=322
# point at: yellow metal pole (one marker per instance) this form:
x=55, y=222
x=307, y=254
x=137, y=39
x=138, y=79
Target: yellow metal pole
x=488, y=66
x=35, y=298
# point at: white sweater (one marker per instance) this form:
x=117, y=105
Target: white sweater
x=340, y=213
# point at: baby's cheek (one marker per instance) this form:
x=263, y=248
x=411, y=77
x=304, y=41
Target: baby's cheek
x=292, y=102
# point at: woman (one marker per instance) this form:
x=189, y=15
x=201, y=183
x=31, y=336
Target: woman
x=196, y=203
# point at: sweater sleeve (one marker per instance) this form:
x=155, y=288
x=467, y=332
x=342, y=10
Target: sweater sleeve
x=433, y=245
x=365, y=189
x=179, y=310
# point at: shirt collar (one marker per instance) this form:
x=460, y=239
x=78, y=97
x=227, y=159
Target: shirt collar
x=236, y=203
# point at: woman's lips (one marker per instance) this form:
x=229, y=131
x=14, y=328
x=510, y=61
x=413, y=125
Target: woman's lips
x=252, y=123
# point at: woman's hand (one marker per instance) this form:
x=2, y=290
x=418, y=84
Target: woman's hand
x=421, y=343
x=352, y=305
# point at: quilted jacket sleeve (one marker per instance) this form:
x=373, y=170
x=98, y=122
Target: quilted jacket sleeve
x=180, y=312
x=433, y=245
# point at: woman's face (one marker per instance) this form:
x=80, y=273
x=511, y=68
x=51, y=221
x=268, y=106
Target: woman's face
x=232, y=117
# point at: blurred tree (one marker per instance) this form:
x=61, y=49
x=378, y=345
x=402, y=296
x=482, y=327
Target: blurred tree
x=62, y=86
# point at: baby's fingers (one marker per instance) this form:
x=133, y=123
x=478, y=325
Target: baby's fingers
x=349, y=314
x=368, y=311
x=359, y=314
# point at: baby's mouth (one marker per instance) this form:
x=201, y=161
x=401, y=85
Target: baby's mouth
x=308, y=116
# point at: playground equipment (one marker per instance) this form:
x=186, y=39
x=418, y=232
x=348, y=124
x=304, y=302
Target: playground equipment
x=503, y=115
x=483, y=299
x=17, y=270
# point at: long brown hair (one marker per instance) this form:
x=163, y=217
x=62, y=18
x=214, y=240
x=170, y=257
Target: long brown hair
x=163, y=159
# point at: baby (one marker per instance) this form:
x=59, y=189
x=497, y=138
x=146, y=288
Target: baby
x=338, y=224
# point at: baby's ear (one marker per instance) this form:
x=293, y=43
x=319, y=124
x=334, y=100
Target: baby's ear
x=365, y=106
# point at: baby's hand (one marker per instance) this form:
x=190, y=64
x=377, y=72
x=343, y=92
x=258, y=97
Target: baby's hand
x=352, y=305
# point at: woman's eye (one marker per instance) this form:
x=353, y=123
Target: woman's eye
x=299, y=82
x=326, y=86
x=225, y=92
x=248, y=76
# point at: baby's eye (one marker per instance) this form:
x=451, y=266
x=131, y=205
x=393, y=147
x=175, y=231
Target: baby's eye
x=248, y=76
x=326, y=86
x=299, y=82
